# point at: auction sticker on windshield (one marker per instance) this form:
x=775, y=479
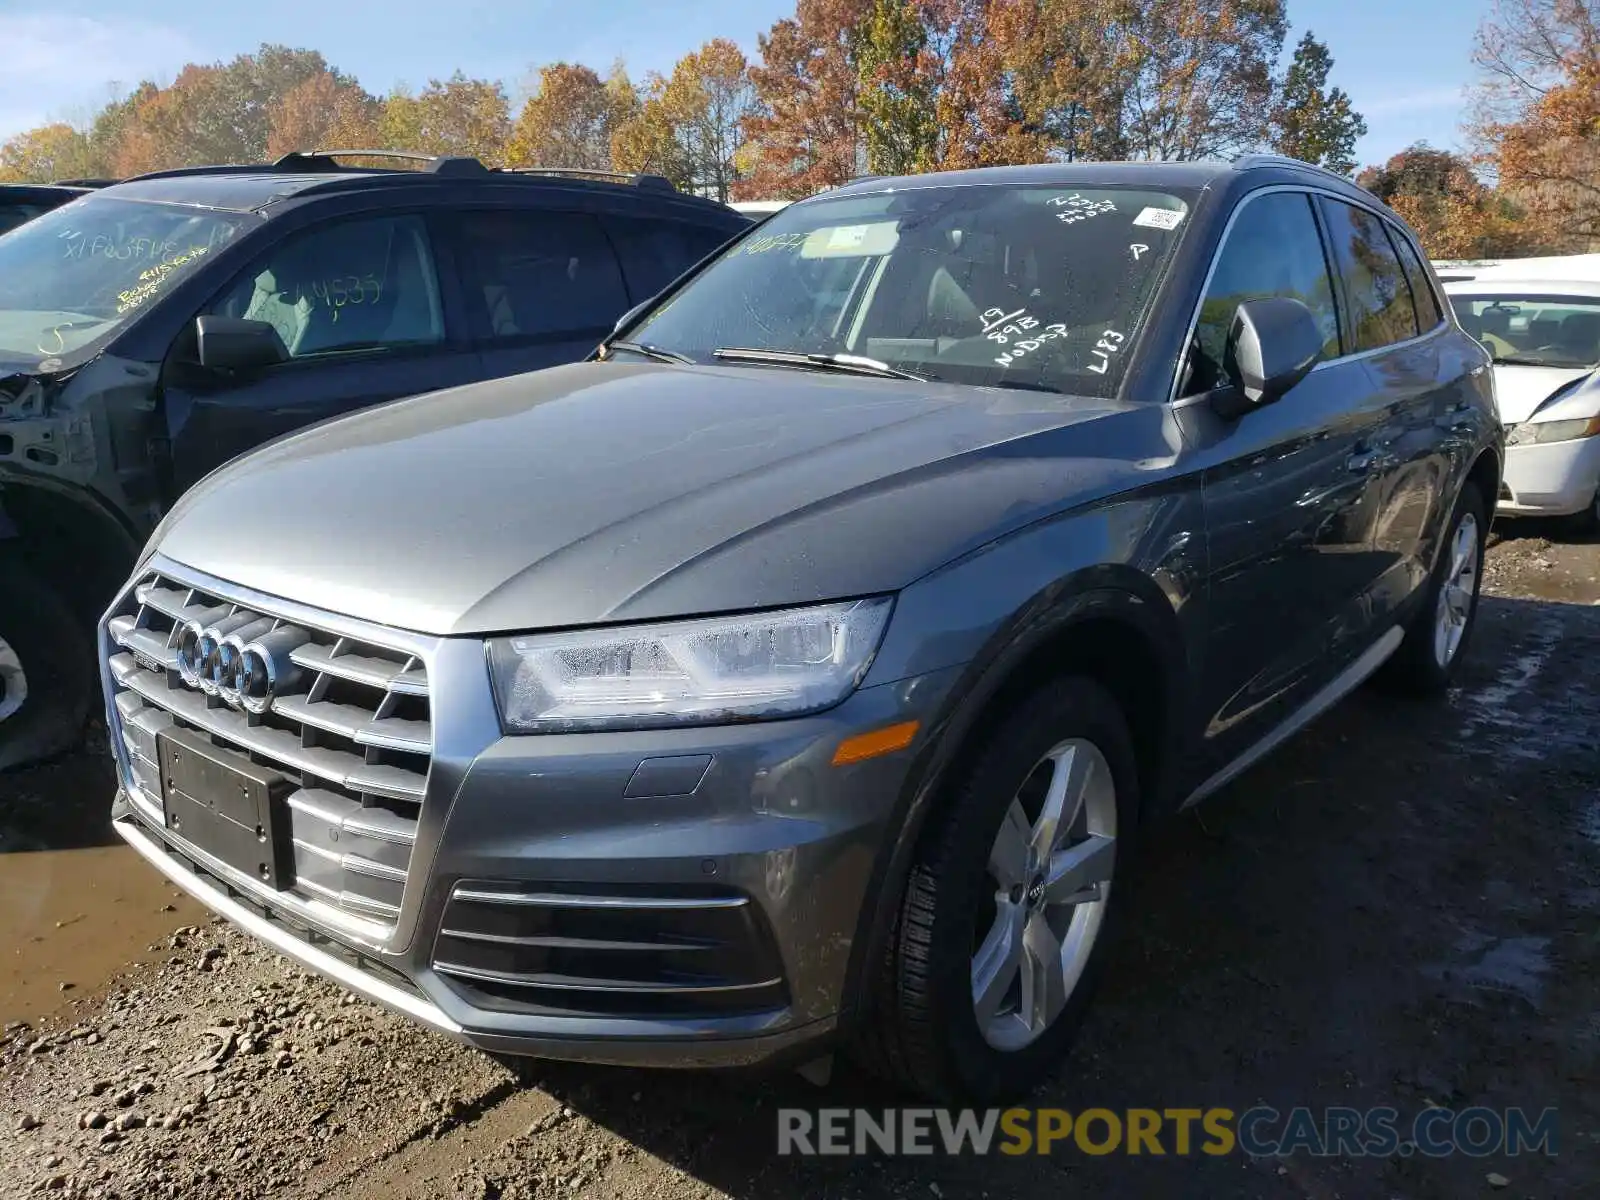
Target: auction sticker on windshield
x=1159, y=218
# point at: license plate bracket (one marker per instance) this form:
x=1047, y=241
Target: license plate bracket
x=230, y=808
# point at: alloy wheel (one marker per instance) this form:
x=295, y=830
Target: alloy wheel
x=1051, y=865
x=13, y=681
x=1457, y=591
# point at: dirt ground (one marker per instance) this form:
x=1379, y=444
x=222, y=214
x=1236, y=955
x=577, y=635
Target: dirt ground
x=1400, y=907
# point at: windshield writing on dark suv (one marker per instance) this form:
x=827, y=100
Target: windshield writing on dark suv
x=1037, y=287
x=72, y=277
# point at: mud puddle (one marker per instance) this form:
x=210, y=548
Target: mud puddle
x=78, y=905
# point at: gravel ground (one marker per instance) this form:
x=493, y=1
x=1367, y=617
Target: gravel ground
x=1397, y=908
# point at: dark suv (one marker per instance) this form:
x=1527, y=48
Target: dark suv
x=804, y=670
x=160, y=327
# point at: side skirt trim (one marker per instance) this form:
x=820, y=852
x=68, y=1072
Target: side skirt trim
x=1330, y=694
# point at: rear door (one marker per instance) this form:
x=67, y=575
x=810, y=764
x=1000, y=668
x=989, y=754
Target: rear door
x=1286, y=488
x=366, y=313
x=543, y=285
x=1414, y=381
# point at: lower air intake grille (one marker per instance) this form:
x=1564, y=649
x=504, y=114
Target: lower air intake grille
x=570, y=952
x=346, y=723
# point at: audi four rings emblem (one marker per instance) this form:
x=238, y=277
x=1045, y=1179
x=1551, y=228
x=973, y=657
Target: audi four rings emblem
x=240, y=659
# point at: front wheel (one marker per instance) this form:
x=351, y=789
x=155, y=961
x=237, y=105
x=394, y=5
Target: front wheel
x=998, y=939
x=46, y=667
x=1437, y=635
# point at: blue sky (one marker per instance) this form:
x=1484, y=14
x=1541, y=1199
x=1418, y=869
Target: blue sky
x=1405, y=62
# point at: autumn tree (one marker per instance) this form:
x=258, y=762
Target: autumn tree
x=455, y=116
x=1198, y=76
x=1454, y=212
x=50, y=152
x=1537, y=112
x=806, y=130
x=324, y=113
x=569, y=120
x=707, y=98
x=689, y=126
x=1311, y=121
x=180, y=125
x=648, y=142
x=111, y=124
x=899, y=73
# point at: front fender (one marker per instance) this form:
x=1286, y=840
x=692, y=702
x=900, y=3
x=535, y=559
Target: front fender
x=1138, y=561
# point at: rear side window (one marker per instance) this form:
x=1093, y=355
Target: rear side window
x=1273, y=249
x=655, y=252
x=362, y=284
x=1376, y=293
x=541, y=274
x=1427, y=301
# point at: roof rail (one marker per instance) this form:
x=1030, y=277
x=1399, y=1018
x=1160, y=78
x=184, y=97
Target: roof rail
x=659, y=183
x=84, y=183
x=302, y=162
x=1244, y=161
x=413, y=155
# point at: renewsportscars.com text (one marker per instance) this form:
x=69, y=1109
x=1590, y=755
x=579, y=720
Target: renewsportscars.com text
x=1261, y=1131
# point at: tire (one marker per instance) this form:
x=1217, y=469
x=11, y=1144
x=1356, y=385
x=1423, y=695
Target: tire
x=1422, y=666
x=924, y=1032
x=46, y=661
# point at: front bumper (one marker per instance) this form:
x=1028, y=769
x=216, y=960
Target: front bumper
x=685, y=897
x=1555, y=479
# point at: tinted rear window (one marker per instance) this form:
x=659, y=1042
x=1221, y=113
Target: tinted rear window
x=1375, y=287
x=542, y=273
x=655, y=252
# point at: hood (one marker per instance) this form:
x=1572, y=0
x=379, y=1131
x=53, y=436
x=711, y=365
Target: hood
x=607, y=491
x=1521, y=390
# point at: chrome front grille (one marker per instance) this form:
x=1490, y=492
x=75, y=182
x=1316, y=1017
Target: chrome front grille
x=349, y=726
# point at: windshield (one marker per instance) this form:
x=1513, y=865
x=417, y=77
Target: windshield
x=1535, y=330
x=74, y=276
x=1003, y=286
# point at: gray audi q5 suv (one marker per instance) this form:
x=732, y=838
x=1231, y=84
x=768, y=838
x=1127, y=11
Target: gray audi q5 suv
x=798, y=673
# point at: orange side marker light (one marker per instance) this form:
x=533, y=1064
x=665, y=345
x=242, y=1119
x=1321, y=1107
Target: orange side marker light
x=880, y=741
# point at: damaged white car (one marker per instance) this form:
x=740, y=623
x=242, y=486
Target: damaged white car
x=1545, y=338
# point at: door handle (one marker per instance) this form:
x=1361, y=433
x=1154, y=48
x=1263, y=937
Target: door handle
x=1361, y=461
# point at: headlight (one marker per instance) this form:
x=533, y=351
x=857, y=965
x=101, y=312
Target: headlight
x=702, y=672
x=1532, y=432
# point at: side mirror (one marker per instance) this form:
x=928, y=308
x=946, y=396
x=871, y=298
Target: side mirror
x=1273, y=344
x=236, y=344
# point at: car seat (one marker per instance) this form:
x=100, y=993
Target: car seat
x=1580, y=336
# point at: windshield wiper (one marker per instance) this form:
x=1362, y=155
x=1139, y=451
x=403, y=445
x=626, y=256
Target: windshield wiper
x=854, y=364
x=649, y=351
x=1517, y=360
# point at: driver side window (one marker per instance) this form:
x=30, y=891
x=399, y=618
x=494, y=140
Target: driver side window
x=355, y=285
x=1273, y=249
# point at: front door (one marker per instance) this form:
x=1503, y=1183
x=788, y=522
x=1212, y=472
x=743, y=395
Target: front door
x=1289, y=491
x=359, y=306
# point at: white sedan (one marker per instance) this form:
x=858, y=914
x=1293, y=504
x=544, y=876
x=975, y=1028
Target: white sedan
x=1545, y=338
